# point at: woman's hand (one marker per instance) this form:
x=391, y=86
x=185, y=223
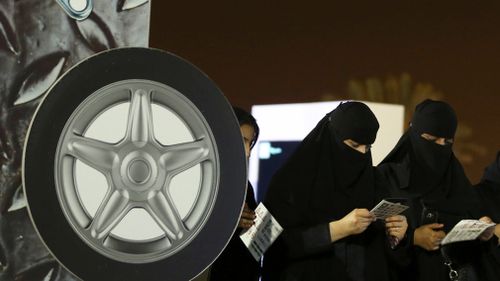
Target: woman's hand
x=247, y=217
x=488, y=234
x=396, y=226
x=429, y=236
x=355, y=222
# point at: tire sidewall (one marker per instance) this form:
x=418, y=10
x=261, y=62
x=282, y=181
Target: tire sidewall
x=62, y=100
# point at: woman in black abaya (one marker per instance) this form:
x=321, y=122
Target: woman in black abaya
x=423, y=168
x=236, y=262
x=321, y=197
x=489, y=193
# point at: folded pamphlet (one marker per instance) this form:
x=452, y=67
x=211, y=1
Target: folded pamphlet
x=386, y=209
x=262, y=234
x=467, y=230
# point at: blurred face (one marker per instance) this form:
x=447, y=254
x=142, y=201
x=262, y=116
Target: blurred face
x=247, y=132
x=361, y=148
x=437, y=140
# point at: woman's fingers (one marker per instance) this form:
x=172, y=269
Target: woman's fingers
x=247, y=217
x=394, y=225
x=245, y=223
x=397, y=218
x=364, y=213
x=248, y=214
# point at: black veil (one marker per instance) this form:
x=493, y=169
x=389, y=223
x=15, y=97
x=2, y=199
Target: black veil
x=323, y=165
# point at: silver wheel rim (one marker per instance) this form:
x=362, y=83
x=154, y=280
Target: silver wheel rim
x=139, y=171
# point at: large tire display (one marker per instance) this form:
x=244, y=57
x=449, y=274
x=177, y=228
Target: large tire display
x=132, y=166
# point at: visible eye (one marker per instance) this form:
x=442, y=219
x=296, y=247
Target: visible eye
x=429, y=137
x=449, y=141
x=368, y=147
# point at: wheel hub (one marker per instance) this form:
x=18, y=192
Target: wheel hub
x=139, y=171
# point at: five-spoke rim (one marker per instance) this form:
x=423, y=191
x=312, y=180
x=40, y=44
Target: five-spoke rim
x=138, y=170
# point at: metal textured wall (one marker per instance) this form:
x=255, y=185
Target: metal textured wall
x=38, y=43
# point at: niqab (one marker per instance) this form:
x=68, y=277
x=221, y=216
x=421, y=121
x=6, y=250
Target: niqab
x=432, y=170
x=436, y=118
x=323, y=165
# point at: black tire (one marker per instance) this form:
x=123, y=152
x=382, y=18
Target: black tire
x=39, y=163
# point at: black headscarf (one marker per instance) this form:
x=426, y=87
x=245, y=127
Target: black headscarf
x=436, y=118
x=245, y=118
x=489, y=189
x=323, y=165
x=492, y=172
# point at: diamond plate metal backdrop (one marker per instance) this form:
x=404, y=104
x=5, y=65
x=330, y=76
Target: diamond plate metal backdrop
x=38, y=43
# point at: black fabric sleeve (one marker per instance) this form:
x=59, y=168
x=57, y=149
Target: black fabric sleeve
x=402, y=254
x=306, y=241
x=300, y=237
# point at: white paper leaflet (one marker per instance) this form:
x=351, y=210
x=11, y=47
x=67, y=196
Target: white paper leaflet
x=386, y=209
x=262, y=234
x=467, y=230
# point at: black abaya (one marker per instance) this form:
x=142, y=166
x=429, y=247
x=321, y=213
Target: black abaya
x=236, y=262
x=431, y=178
x=489, y=193
x=323, y=181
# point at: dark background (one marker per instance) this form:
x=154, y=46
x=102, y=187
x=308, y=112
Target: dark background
x=262, y=52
